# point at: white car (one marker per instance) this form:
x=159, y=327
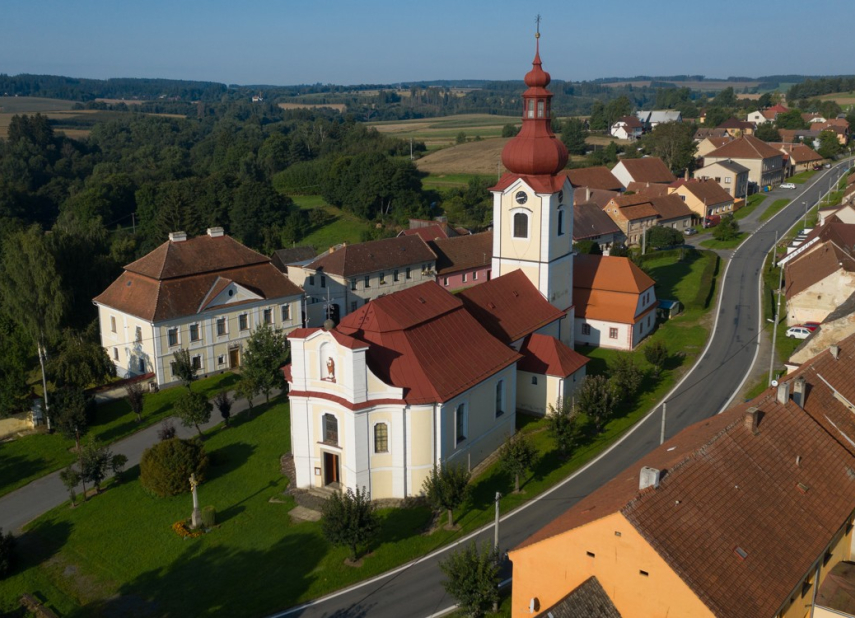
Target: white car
x=788, y=185
x=798, y=332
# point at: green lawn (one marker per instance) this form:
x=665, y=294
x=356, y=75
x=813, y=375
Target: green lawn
x=342, y=227
x=447, y=181
x=753, y=202
x=801, y=177
x=712, y=243
x=773, y=209
x=117, y=554
x=31, y=457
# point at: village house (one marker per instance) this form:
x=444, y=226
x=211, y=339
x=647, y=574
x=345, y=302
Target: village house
x=628, y=128
x=673, y=212
x=648, y=189
x=798, y=158
x=594, y=178
x=650, y=119
x=735, y=127
x=704, y=198
x=205, y=294
x=429, y=230
x=633, y=214
x=708, y=144
x=646, y=169
x=346, y=277
x=842, y=212
x=615, y=302
x=804, y=136
x=600, y=197
x=730, y=176
x=294, y=256
x=590, y=222
x=463, y=261
x=817, y=282
x=702, y=134
x=765, y=164
x=712, y=523
x=767, y=115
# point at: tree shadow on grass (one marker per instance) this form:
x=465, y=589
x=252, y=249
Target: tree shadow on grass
x=18, y=467
x=229, y=458
x=220, y=580
x=483, y=493
x=402, y=523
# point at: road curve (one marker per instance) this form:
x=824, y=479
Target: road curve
x=415, y=589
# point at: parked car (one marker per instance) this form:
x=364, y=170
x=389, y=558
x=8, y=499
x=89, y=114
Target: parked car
x=788, y=185
x=827, y=166
x=811, y=326
x=798, y=332
x=712, y=220
x=817, y=167
x=690, y=231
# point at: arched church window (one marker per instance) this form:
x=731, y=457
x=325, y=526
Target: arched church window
x=381, y=438
x=520, y=225
x=330, y=423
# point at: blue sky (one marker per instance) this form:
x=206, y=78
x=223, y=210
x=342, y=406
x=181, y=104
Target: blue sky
x=380, y=41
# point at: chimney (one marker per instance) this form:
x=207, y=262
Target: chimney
x=587, y=194
x=783, y=393
x=799, y=391
x=215, y=232
x=649, y=478
x=835, y=351
x=751, y=418
x=177, y=236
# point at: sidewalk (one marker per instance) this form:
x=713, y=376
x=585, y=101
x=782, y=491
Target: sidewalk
x=25, y=504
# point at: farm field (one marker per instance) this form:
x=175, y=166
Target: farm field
x=694, y=85
x=843, y=98
x=439, y=132
x=339, y=107
x=482, y=157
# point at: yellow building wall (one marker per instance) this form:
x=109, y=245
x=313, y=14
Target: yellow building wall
x=521, y=248
x=551, y=569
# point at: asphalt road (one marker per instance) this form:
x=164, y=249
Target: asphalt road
x=416, y=590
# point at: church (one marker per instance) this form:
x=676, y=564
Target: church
x=422, y=377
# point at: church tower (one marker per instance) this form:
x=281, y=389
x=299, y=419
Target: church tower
x=533, y=203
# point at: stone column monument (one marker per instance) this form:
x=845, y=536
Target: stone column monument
x=196, y=517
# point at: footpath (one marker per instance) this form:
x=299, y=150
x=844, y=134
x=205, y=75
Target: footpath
x=30, y=501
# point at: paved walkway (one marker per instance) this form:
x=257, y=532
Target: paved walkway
x=25, y=504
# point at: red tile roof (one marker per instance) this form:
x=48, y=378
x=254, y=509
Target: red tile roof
x=648, y=169
x=780, y=494
x=708, y=191
x=510, y=307
x=594, y=178
x=423, y=340
x=607, y=288
x=589, y=220
x=373, y=256
x=733, y=123
x=586, y=195
x=463, y=252
x=548, y=356
x=670, y=207
x=799, y=153
x=813, y=267
x=647, y=189
x=166, y=294
x=744, y=147
x=194, y=256
x=430, y=232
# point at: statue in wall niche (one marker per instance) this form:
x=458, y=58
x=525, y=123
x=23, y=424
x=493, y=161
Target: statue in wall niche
x=330, y=369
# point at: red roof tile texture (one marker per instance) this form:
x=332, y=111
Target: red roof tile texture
x=463, y=252
x=510, y=307
x=811, y=268
x=648, y=189
x=194, y=256
x=780, y=493
x=708, y=191
x=548, y=356
x=648, y=169
x=541, y=183
x=671, y=207
x=589, y=221
x=607, y=288
x=745, y=147
x=594, y=178
x=423, y=340
x=374, y=256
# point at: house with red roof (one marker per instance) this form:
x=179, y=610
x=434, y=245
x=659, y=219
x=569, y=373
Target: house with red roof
x=645, y=169
x=420, y=378
x=205, y=295
x=769, y=114
x=820, y=279
x=627, y=127
x=463, y=261
x=615, y=302
x=745, y=514
x=765, y=163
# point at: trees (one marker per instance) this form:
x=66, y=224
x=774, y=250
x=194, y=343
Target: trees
x=69, y=412
x=165, y=468
x=564, y=426
x=767, y=132
x=715, y=116
x=247, y=389
x=791, y=120
x=266, y=352
x=517, y=457
x=461, y=138
x=136, y=398
x=656, y=353
x=117, y=466
x=626, y=377
x=473, y=578
x=659, y=236
x=80, y=362
x=828, y=145
x=14, y=367
x=510, y=130
x=224, y=405
x=595, y=399
x=727, y=229
x=7, y=553
x=446, y=488
x=350, y=519
x=673, y=142
x=573, y=135
x=193, y=409
x=182, y=367
x=31, y=292
x=71, y=479
x=94, y=462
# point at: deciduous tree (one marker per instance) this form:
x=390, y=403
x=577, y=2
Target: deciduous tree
x=573, y=135
x=656, y=353
x=473, y=578
x=135, y=394
x=94, y=462
x=673, y=142
x=595, y=399
x=265, y=354
x=182, y=367
x=350, y=519
x=626, y=377
x=446, y=488
x=7, y=553
x=193, y=409
x=71, y=479
x=517, y=456
x=727, y=229
x=565, y=426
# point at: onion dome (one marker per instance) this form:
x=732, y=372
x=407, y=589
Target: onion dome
x=535, y=150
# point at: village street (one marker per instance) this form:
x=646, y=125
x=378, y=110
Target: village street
x=709, y=388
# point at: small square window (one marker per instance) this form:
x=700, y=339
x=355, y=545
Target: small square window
x=395, y=275
x=353, y=284
x=221, y=327
x=586, y=329
x=409, y=274
x=196, y=362
x=445, y=281
x=367, y=280
x=382, y=278
x=194, y=332
x=311, y=280
x=221, y=359
x=267, y=316
x=464, y=277
x=243, y=321
x=613, y=333
x=475, y=276
x=286, y=313
x=323, y=281
x=534, y=380
x=172, y=336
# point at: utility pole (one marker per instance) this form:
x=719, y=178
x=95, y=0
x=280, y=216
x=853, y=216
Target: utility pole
x=662, y=429
x=775, y=323
x=496, y=531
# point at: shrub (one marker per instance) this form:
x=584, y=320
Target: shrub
x=166, y=431
x=473, y=578
x=446, y=488
x=705, y=289
x=166, y=467
x=7, y=553
x=350, y=519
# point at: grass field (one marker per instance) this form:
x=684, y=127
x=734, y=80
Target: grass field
x=442, y=131
x=773, y=209
x=801, y=177
x=712, y=243
x=753, y=202
x=448, y=181
x=705, y=85
x=343, y=226
x=25, y=459
x=339, y=107
x=844, y=99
